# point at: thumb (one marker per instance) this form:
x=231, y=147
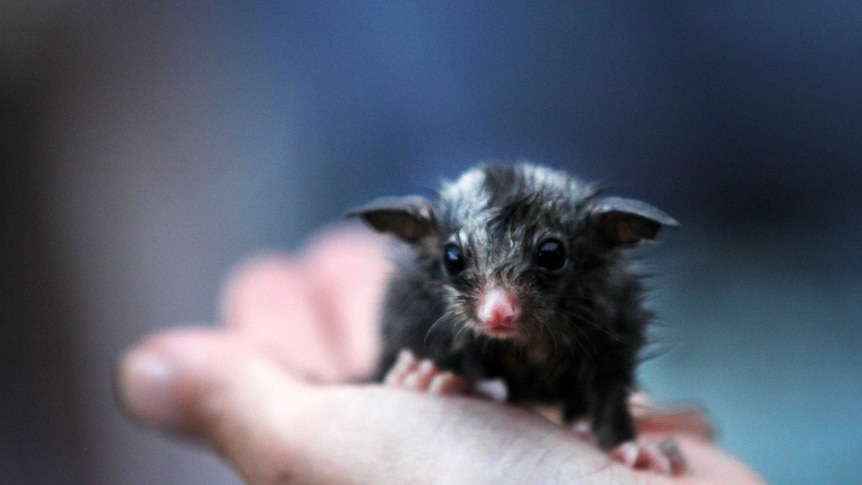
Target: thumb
x=213, y=387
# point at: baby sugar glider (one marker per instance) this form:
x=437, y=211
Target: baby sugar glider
x=519, y=272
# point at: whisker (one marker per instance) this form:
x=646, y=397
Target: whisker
x=583, y=347
x=432, y=328
x=586, y=319
x=543, y=325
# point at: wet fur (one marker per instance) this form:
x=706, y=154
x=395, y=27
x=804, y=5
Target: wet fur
x=583, y=329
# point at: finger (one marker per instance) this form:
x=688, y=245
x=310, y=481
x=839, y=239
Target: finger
x=690, y=422
x=654, y=418
x=317, y=314
x=269, y=300
x=347, y=270
x=217, y=389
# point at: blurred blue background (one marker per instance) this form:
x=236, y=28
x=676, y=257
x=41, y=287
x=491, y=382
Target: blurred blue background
x=147, y=147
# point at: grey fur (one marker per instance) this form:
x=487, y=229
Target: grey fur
x=582, y=327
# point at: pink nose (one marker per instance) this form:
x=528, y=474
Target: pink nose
x=499, y=308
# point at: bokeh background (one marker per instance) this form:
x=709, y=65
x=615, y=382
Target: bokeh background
x=146, y=147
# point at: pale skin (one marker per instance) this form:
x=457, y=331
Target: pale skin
x=270, y=393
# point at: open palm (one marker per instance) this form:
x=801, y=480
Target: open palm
x=270, y=393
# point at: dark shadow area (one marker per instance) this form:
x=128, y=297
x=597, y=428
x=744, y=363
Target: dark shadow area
x=40, y=425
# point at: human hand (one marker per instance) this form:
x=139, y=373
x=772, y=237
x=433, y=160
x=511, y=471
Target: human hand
x=268, y=393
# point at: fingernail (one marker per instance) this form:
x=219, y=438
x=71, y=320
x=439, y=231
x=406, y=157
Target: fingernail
x=144, y=385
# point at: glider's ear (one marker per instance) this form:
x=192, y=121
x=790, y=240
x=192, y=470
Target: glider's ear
x=407, y=218
x=628, y=221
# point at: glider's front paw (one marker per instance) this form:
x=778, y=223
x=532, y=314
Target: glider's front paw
x=663, y=457
x=413, y=374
